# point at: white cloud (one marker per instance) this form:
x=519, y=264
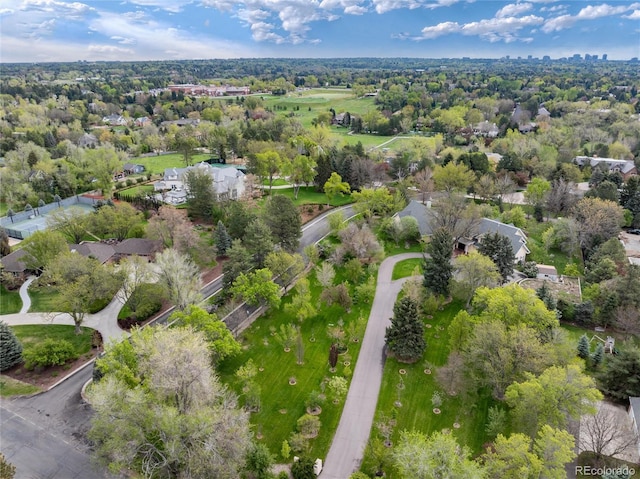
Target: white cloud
x=635, y=15
x=173, y=6
x=353, y=7
x=589, y=12
x=493, y=30
x=109, y=49
x=440, y=29
x=123, y=40
x=383, y=6
x=513, y=9
x=355, y=10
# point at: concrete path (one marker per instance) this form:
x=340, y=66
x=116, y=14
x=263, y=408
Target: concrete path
x=105, y=321
x=352, y=435
x=24, y=294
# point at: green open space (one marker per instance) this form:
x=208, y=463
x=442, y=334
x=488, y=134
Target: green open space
x=157, y=164
x=3, y=208
x=405, y=268
x=539, y=253
x=309, y=196
x=407, y=389
x=13, y=387
x=44, y=299
x=281, y=403
x=10, y=301
x=139, y=190
x=31, y=335
x=276, y=182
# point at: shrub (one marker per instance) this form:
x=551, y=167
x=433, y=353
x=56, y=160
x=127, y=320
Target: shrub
x=309, y=425
x=140, y=180
x=530, y=269
x=49, y=352
x=130, y=182
x=283, y=475
x=303, y=468
x=10, y=281
x=10, y=348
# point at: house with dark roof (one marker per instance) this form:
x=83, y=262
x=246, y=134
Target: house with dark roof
x=14, y=263
x=132, y=169
x=626, y=168
x=142, y=247
x=102, y=252
x=425, y=217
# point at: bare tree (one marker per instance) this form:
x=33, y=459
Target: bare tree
x=561, y=197
x=325, y=274
x=628, y=319
x=424, y=182
x=135, y=272
x=605, y=435
x=503, y=186
x=180, y=277
x=452, y=213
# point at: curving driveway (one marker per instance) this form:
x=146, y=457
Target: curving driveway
x=350, y=440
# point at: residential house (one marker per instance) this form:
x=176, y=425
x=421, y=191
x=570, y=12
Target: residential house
x=228, y=182
x=13, y=263
x=145, y=248
x=132, y=169
x=174, y=197
x=627, y=168
x=425, y=215
x=142, y=121
x=114, y=120
x=634, y=414
x=486, y=129
x=102, y=252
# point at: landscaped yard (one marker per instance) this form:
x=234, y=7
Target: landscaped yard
x=407, y=390
x=308, y=195
x=43, y=299
x=281, y=403
x=539, y=254
x=30, y=335
x=137, y=190
x=157, y=164
x=10, y=301
x=13, y=387
x=405, y=268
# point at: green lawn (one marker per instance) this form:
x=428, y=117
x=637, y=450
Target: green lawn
x=276, y=182
x=10, y=301
x=414, y=390
x=137, y=190
x=308, y=195
x=405, y=268
x=157, y=164
x=3, y=208
x=13, y=387
x=282, y=404
x=390, y=248
x=43, y=299
x=34, y=334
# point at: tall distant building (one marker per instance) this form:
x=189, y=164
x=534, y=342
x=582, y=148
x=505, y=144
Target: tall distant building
x=546, y=58
x=576, y=56
x=604, y=57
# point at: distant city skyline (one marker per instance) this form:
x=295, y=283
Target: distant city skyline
x=128, y=30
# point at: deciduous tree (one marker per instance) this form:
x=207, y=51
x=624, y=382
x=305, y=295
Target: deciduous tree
x=257, y=288
x=42, y=248
x=335, y=187
x=472, y=271
x=180, y=277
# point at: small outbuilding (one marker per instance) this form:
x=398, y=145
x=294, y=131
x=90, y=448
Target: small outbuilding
x=546, y=271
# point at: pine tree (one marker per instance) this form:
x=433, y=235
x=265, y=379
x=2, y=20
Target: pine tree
x=498, y=248
x=10, y=348
x=597, y=356
x=583, y=347
x=405, y=336
x=221, y=239
x=438, y=268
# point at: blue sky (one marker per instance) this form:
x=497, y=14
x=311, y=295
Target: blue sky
x=64, y=30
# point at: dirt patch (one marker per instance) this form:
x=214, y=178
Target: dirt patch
x=47, y=377
x=569, y=288
x=309, y=212
x=212, y=273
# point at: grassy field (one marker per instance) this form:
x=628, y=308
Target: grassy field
x=13, y=387
x=43, y=299
x=406, y=396
x=31, y=335
x=157, y=164
x=309, y=196
x=3, y=208
x=281, y=403
x=137, y=190
x=10, y=301
x=405, y=268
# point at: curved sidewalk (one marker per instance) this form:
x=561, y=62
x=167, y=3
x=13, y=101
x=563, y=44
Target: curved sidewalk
x=352, y=435
x=105, y=321
x=24, y=295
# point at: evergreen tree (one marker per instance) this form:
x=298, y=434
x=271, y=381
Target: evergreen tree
x=498, y=248
x=283, y=218
x=597, y=356
x=221, y=239
x=583, y=347
x=5, y=249
x=405, y=336
x=620, y=378
x=303, y=468
x=239, y=262
x=257, y=240
x=438, y=268
x=10, y=348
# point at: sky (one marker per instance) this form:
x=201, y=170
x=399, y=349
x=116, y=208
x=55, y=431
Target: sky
x=129, y=30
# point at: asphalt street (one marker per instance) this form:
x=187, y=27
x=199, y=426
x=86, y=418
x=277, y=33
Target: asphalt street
x=44, y=435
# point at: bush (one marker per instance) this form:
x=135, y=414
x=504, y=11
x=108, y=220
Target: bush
x=130, y=182
x=49, y=352
x=10, y=281
x=283, y=475
x=10, y=348
x=529, y=269
x=303, y=468
x=140, y=180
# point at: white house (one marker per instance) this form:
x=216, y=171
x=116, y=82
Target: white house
x=228, y=182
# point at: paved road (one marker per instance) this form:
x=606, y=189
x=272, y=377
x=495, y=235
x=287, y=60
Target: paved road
x=350, y=440
x=44, y=436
